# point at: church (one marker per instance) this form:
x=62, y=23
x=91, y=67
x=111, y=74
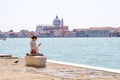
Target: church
x=48, y=30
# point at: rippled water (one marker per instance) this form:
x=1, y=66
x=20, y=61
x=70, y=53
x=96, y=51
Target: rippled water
x=102, y=52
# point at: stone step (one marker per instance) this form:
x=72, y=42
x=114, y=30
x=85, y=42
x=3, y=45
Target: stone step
x=5, y=55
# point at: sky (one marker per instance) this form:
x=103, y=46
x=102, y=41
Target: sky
x=26, y=14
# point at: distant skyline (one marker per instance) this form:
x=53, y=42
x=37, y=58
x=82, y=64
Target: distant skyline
x=26, y=14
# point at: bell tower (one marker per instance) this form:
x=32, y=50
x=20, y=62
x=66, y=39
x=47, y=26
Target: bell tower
x=62, y=22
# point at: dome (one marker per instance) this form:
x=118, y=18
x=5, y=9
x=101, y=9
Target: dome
x=56, y=21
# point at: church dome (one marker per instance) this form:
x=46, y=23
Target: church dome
x=56, y=21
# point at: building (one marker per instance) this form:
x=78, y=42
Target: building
x=25, y=34
x=118, y=32
x=2, y=35
x=80, y=32
x=69, y=34
x=58, y=33
x=49, y=30
x=12, y=35
x=100, y=31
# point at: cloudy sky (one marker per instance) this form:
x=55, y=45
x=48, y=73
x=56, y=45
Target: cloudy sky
x=26, y=14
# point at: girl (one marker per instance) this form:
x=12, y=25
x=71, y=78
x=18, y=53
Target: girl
x=34, y=49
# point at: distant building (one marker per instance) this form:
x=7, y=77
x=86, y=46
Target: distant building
x=25, y=33
x=44, y=34
x=12, y=35
x=80, y=32
x=2, y=35
x=118, y=32
x=100, y=31
x=114, y=34
x=51, y=30
x=58, y=33
x=69, y=34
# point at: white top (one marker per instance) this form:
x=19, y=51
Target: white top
x=33, y=45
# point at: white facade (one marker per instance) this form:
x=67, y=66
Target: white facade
x=98, y=33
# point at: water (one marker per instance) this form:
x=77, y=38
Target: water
x=101, y=52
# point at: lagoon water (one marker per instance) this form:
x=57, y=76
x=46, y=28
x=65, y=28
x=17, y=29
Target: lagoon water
x=100, y=52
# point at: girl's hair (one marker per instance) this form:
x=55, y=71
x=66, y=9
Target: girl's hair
x=34, y=37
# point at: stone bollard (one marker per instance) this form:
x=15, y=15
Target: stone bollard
x=35, y=61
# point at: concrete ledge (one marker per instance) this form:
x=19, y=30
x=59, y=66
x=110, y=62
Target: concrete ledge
x=35, y=61
x=5, y=56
